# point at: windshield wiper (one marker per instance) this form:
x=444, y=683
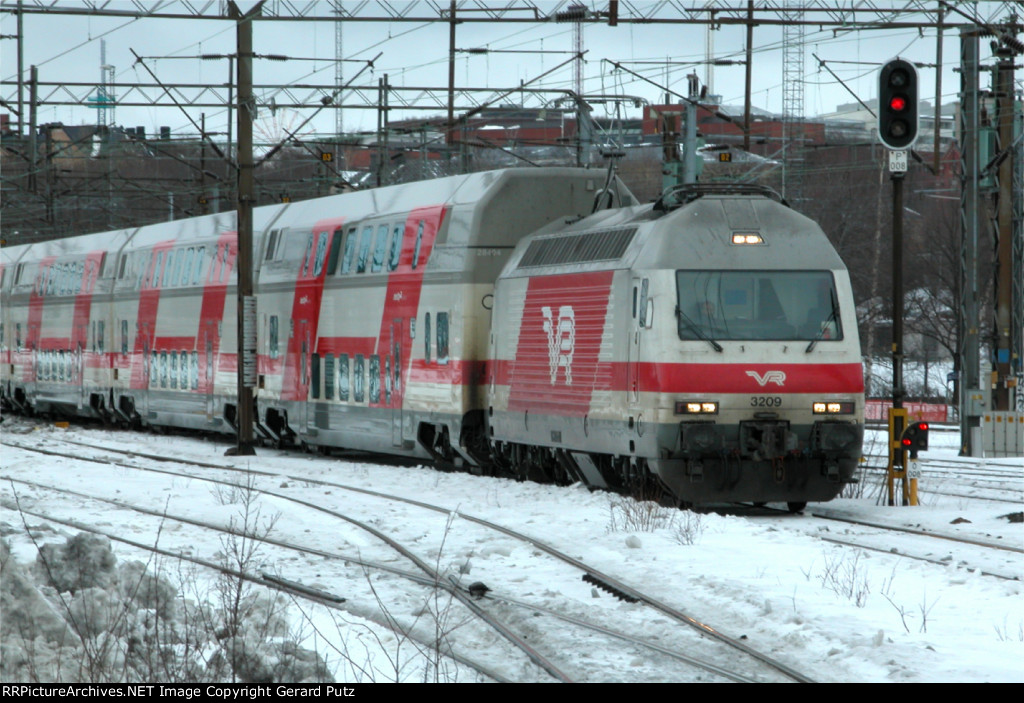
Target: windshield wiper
x=692, y=326
x=832, y=317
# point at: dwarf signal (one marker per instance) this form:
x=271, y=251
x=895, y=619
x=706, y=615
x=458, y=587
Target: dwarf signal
x=915, y=438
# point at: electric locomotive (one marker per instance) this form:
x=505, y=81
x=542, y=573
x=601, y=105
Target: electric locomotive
x=706, y=345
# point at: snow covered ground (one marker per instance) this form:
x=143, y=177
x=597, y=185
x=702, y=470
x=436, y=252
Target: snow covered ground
x=834, y=612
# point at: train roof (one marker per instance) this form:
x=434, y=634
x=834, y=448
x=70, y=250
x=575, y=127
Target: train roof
x=458, y=192
x=696, y=234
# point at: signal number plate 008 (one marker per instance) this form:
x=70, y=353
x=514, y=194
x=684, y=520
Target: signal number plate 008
x=765, y=401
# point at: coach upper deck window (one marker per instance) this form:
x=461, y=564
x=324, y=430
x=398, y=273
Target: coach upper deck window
x=419, y=243
x=396, y=246
x=197, y=275
x=364, y=248
x=350, y=248
x=332, y=260
x=380, y=248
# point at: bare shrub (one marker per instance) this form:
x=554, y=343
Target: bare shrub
x=844, y=575
x=688, y=527
x=631, y=515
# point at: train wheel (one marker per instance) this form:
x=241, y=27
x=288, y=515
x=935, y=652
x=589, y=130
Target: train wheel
x=796, y=506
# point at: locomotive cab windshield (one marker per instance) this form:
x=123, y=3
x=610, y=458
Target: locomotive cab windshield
x=716, y=306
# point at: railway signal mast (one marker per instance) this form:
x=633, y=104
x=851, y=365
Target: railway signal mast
x=897, y=130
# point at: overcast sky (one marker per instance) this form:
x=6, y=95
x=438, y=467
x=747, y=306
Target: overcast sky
x=68, y=49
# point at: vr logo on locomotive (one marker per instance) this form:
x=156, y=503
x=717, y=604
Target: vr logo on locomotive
x=776, y=377
x=561, y=340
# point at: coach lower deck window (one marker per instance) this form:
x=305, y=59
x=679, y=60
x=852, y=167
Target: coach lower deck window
x=358, y=379
x=343, y=377
x=442, y=338
x=273, y=337
x=174, y=369
x=315, y=382
x=374, y=378
x=124, y=337
x=426, y=338
x=329, y=377
x=195, y=370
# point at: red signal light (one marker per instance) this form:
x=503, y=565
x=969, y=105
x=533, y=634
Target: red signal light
x=905, y=441
x=898, y=103
x=922, y=426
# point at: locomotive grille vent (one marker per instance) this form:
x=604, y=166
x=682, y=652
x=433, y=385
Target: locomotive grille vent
x=604, y=245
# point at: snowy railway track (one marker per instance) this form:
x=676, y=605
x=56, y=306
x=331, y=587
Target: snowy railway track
x=988, y=558
x=332, y=600
x=607, y=581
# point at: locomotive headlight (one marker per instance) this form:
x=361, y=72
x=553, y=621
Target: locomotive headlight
x=697, y=407
x=832, y=407
x=747, y=238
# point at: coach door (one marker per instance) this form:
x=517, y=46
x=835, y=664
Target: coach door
x=305, y=350
x=393, y=385
x=79, y=362
x=633, y=366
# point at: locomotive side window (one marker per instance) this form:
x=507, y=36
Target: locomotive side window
x=343, y=377
x=124, y=337
x=442, y=338
x=419, y=243
x=380, y=247
x=357, y=379
x=397, y=235
x=100, y=334
x=757, y=305
x=364, y=248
